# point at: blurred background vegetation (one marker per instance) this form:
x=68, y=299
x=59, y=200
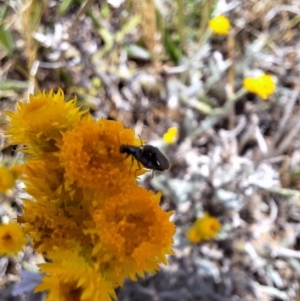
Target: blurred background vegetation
x=155, y=64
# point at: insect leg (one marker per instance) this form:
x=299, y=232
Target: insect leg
x=139, y=165
x=141, y=140
x=132, y=160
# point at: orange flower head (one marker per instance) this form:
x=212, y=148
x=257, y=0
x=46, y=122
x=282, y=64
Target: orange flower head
x=82, y=196
x=91, y=156
x=44, y=180
x=56, y=226
x=133, y=234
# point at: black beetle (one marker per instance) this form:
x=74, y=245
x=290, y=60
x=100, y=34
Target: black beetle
x=150, y=156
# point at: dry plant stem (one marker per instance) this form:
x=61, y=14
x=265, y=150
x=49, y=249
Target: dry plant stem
x=31, y=15
x=197, y=104
x=284, y=120
x=279, y=9
x=249, y=134
x=253, y=132
x=284, y=173
x=285, y=252
x=260, y=140
x=217, y=114
x=33, y=73
x=211, y=120
x=287, y=192
x=161, y=24
x=84, y=6
x=270, y=291
x=273, y=160
x=111, y=89
x=285, y=143
x=231, y=88
x=204, y=18
x=207, y=34
x=268, y=42
x=148, y=25
x=289, y=35
x=286, y=133
x=294, y=21
x=181, y=21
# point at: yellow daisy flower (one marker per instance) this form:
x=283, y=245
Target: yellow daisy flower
x=262, y=85
x=41, y=121
x=132, y=234
x=219, y=25
x=44, y=179
x=11, y=239
x=16, y=170
x=7, y=179
x=171, y=135
x=70, y=278
x=91, y=155
x=83, y=197
x=204, y=228
x=49, y=226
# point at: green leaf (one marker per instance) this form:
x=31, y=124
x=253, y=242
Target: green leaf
x=108, y=40
x=13, y=85
x=6, y=40
x=172, y=49
x=128, y=27
x=64, y=6
x=3, y=12
x=135, y=51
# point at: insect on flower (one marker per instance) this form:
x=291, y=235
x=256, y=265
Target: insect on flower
x=149, y=156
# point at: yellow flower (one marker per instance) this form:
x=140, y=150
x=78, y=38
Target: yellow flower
x=48, y=225
x=204, y=228
x=219, y=25
x=16, y=170
x=262, y=85
x=171, y=135
x=11, y=239
x=42, y=120
x=132, y=234
x=7, y=179
x=70, y=278
x=44, y=179
x=91, y=156
x=83, y=197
